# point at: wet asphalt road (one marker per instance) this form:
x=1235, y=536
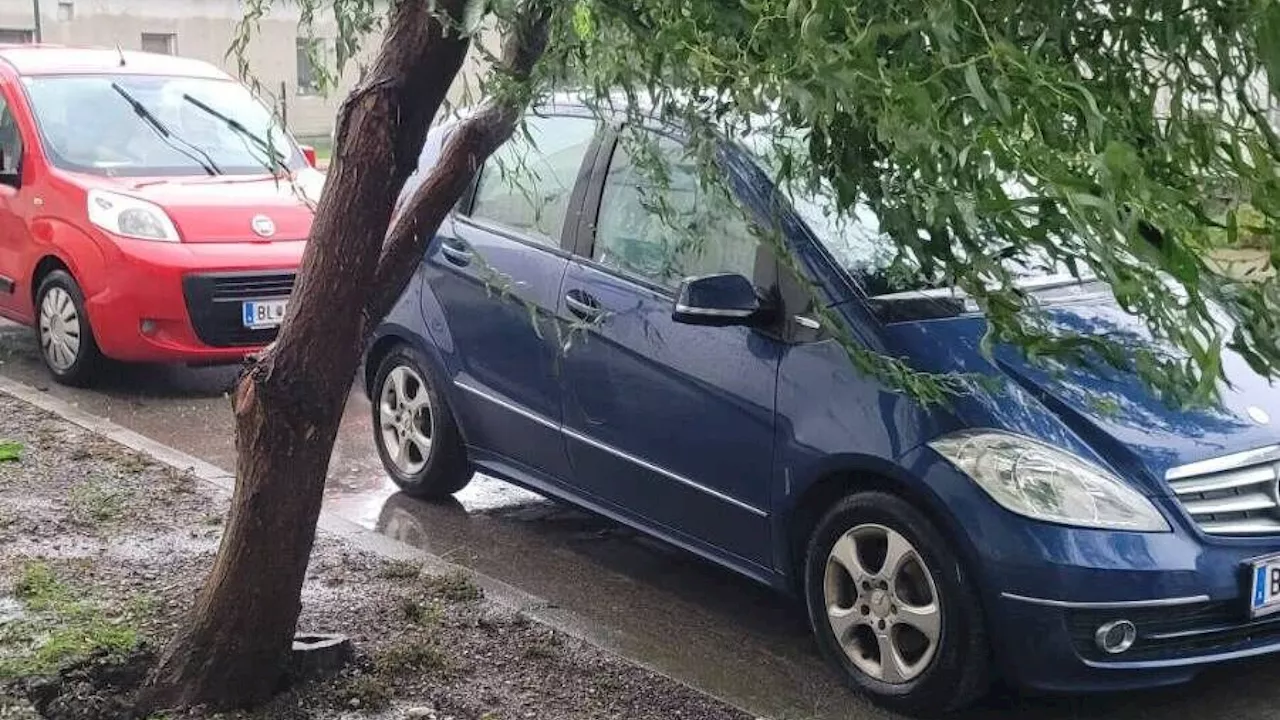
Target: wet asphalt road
x=686, y=618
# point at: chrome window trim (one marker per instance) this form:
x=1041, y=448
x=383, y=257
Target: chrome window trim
x=1257, y=456
x=1114, y=605
x=608, y=448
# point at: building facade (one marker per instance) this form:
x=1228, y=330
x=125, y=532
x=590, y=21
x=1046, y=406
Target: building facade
x=279, y=56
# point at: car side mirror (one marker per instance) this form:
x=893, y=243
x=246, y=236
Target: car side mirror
x=723, y=299
x=309, y=153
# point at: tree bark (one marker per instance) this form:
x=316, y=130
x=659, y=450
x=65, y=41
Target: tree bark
x=470, y=144
x=234, y=646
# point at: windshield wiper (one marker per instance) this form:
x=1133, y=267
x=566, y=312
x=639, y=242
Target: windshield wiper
x=277, y=158
x=169, y=137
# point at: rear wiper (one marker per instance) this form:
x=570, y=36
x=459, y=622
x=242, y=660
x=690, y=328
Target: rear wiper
x=169, y=137
x=277, y=158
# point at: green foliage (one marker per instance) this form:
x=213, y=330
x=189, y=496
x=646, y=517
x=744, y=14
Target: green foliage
x=10, y=450
x=1127, y=143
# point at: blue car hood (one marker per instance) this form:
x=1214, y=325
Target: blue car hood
x=1111, y=413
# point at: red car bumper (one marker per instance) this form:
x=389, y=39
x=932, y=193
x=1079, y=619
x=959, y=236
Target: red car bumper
x=171, y=302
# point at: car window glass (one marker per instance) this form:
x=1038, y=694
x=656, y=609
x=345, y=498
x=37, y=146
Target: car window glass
x=175, y=129
x=526, y=184
x=10, y=141
x=667, y=229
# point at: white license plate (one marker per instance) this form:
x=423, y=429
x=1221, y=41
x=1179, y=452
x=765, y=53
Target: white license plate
x=260, y=314
x=1264, y=596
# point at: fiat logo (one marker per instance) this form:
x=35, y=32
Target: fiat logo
x=264, y=226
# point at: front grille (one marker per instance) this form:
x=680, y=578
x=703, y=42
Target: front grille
x=251, y=287
x=1234, y=495
x=214, y=304
x=1179, y=631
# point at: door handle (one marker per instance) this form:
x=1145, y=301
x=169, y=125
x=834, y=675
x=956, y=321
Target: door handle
x=582, y=305
x=458, y=254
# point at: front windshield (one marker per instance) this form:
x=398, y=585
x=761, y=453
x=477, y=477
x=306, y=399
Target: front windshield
x=90, y=126
x=855, y=240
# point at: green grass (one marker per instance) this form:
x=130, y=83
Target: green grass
x=455, y=587
x=414, y=655
x=370, y=693
x=399, y=570
x=544, y=647
x=62, y=626
x=425, y=615
x=38, y=587
x=94, y=502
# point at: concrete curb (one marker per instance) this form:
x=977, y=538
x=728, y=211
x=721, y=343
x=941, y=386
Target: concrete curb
x=222, y=483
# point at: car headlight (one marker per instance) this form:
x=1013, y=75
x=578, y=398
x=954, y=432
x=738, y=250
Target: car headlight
x=1044, y=483
x=130, y=217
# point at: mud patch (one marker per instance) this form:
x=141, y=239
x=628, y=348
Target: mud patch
x=103, y=552
x=99, y=687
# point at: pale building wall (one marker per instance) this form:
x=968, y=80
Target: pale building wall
x=202, y=29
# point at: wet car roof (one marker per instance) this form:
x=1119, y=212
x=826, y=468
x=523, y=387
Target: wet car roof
x=30, y=60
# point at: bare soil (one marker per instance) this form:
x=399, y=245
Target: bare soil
x=102, y=551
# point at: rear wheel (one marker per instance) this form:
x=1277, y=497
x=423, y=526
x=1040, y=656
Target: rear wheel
x=67, y=345
x=891, y=607
x=416, y=434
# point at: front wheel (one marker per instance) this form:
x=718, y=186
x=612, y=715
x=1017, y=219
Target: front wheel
x=891, y=607
x=67, y=345
x=416, y=434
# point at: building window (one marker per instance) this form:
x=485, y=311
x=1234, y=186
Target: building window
x=309, y=50
x=162, y=43
x=66, y=10
x=13, y=36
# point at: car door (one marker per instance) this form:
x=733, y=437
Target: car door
x=669, y=422
x=495, y=272
x=15, y=205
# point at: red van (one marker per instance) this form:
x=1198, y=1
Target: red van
x=151, y=209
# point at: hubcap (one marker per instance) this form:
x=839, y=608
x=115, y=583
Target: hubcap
x=404, y=412
x=59, y=329
x=882, y=604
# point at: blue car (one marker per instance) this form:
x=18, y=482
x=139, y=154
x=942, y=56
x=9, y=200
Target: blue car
x=1067, y=533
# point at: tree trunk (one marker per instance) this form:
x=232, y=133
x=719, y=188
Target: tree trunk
x=234, y=647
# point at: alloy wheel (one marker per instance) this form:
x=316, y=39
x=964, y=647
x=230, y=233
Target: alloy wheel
x=882, y=604
x=60, y=329
x=406, y=419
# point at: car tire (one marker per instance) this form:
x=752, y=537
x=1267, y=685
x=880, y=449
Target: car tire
x=417, y=436
x=63, y=332
x=925, y=596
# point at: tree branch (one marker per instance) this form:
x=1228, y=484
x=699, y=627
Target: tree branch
x=464, y=152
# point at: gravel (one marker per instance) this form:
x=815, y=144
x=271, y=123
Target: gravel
x=133, y=539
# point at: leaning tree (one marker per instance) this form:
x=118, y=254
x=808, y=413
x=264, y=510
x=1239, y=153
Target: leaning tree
x=1130, y=141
